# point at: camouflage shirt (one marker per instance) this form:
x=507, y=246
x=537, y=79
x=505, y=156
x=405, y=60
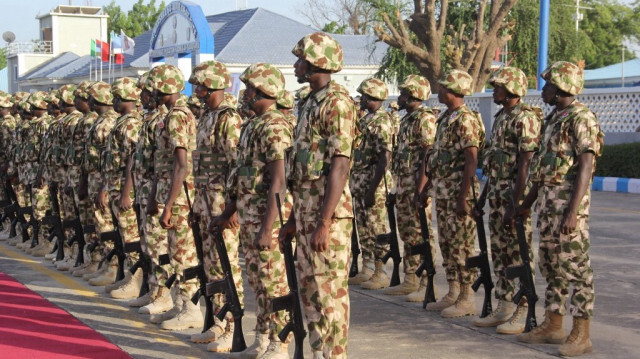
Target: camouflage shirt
x=142, y=167
x=176, y=130
x=325, y=129
x=416, y=133
x=7, y=126
x=566, y=135
x=97, y=140
x=511, y=134
x=264, y=139
x=121, y=145
x=376, y=136
x=218, y=133
x=77, y=147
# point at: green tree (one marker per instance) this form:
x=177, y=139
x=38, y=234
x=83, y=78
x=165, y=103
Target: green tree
x=334, y=28
x=136, y=21
x=3, y=59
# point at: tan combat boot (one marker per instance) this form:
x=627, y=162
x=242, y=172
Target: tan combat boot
x=189, y=317
x=276, y=350
x=170, y=314
x=256, y=349
x=517, y=322
x=113, y=286
x=448, y=300
x=379, y=279
x=160, y=303
x=365, y=274
x=208, y=336
x=463, y=306
x=130, y=289
x=500, y=315
x=409, y=285
x=224, y=342
x=418, y=294
x=107, y=277
x=45, y=249
x=142, y=300
x=578, y=341
x=549, y=332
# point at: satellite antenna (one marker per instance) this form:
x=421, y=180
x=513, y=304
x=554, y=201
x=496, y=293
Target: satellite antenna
x=8, y=36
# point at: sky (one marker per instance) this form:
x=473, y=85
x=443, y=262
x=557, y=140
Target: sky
x=19, y=16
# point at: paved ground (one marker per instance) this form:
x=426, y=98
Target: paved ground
x=382, y=326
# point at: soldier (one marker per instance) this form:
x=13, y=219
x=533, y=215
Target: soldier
x=514, y=138
x=415, y=137
x=285, y=104
x=217, y=138
x=176, y=139
x=322, y=215
x=395, y=117
x=258, y=175
x=101, y=101
x=7, y=168
x=561, y=172
x=452, y=166
x=154, y=241
x=195, y=105
x=118, y=184
x=371, y=157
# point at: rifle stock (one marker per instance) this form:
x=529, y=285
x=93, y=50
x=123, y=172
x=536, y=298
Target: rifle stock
x=392, y=239
x=355, y=248
x=428, y=263
x=118, y=246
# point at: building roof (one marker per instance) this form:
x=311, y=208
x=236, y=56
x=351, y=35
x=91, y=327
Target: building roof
x=631, y=69
x=49, y=66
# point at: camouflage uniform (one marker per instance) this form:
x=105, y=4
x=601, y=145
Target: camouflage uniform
x=455, y=132
x=325, y=129
x=120, y=146
x=176, y=130
x=415, y=134
x=374, y=138
x=94, y=148
x=7, y=126
x=512, y=133
x=564, y=259
x=218, y=132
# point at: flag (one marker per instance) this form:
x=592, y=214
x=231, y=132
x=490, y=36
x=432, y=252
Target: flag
x=127, y=43
x=93, y=48
x=97, y=52
x=116, y=43
x=118, y=59
x=105, y=51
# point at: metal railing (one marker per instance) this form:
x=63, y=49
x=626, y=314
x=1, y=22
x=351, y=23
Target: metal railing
x=29, y=47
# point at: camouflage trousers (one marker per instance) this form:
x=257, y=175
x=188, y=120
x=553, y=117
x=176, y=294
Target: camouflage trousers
x=408, y=222
x=103, y=218
x=505, y=251
x=267, y=277
x=182, y=250
x=41, y=202
x=456, y=237
x=66, y=207
x=324, y=290
x=127, y=223
x=231, y=240
x=564, y=259
x=22, y=194
x=155, y=244
x=372, y=222
x=87, y=217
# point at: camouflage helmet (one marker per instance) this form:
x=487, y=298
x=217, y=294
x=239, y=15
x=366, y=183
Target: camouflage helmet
x=52, y=98
x=126, y=88
x=567, y=76
x=142, y=82
x=264, y=77
x=286, y=100
x=66, y=94
x=167, y=79
x=230, y=100
x=19, y=96
x=82, y=91
x=374, y=88
x=38, y=100
x=394, y=105
x=25, y=105
x=416, y=86
x=458, y=81
x=5, y=100
x=511, y=78
x=194, y=101
x=321, y=50
x=212, y=75
x=303, y=92
x=101, y=92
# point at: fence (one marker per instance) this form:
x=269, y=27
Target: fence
x=32, y=47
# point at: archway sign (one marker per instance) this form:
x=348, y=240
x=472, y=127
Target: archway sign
x=181, y=37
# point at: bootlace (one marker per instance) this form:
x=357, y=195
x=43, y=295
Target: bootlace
x=516, y=316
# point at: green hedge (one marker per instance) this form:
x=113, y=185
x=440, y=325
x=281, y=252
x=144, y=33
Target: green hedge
x=619, y=161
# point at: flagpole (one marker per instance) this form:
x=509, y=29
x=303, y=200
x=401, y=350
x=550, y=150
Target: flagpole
x=89, y=67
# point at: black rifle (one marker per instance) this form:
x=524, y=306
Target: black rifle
x=10, y=209
x=118, y=246
x=291, y=301
x=199, y=270
x=78, y=232
x=11, y=197
x=33, y=222
x=355, y=245
x=392, y=239
x=481, y=261
x=523, y=271
x=427, y=264
x=143, y=262
x=52, y=219
x=227, y=286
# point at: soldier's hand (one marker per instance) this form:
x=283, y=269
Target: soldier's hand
x=369, y=199
x=462, y=207
x=420, y=199
x=233, y=221
x=320, y=236
x=569, y=222
x=508, y=220
x=264, y=240
x=68, y=190
x=289, y=229
x=125, y=203
x=152, y=207
x=391, y=199
x=522, y=211
x=165, y=219
x=218, y=221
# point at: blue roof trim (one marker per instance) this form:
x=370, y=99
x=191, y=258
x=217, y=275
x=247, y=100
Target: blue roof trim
x=631, y=69
x=203, y=41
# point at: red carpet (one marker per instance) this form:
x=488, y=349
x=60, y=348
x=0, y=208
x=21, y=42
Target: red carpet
x=32, y=327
